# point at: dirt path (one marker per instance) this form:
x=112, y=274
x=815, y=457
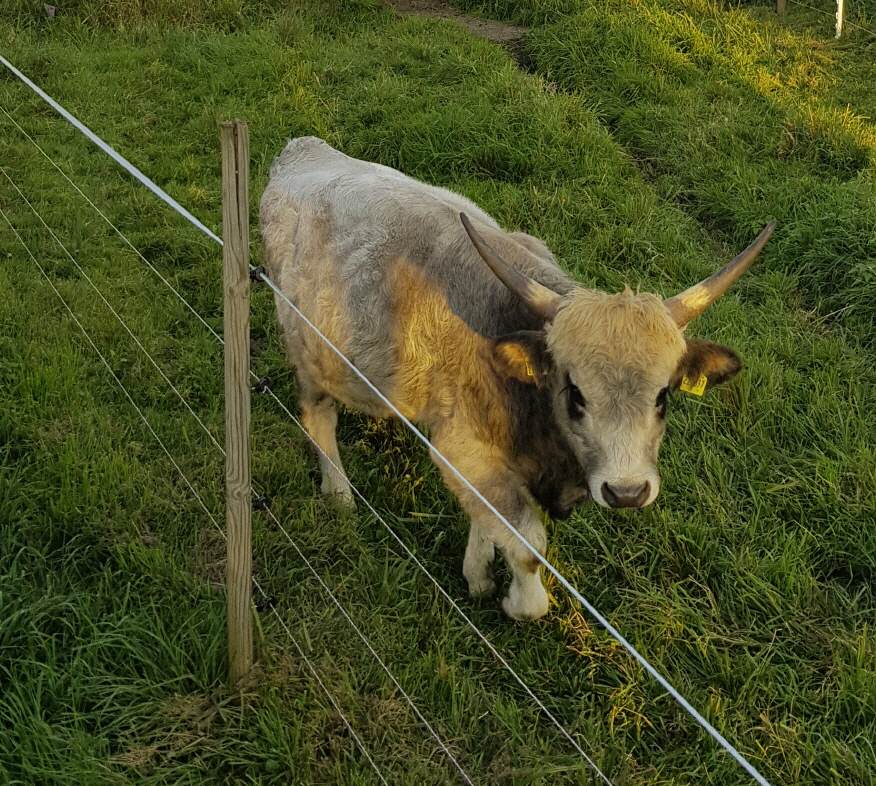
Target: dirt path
x=509, y=36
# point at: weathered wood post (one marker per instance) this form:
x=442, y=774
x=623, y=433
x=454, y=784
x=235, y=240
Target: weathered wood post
x=234, y=137
x=840, y=16
x=781, y=5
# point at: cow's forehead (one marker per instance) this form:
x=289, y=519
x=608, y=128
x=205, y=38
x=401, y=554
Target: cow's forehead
x=626, y=340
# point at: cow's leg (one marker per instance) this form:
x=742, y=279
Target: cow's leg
x=479, y=554
x=527, y=598
x=320, y=418
x=319, y=415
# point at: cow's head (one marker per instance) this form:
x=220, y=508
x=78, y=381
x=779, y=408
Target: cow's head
x=610, y=362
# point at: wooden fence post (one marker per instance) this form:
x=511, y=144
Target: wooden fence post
x=840, y=17
x=234, y=137
x=781, y=5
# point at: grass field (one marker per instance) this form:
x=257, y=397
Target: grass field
x=651, y=141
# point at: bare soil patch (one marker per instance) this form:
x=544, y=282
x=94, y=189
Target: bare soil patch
x=509, y=36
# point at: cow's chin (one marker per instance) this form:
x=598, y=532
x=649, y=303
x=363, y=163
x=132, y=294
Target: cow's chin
x=595, y=481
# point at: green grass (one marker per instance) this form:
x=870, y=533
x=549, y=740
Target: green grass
x=750, y=583
x=738, y=118
x=817, y=14
x=721, y=130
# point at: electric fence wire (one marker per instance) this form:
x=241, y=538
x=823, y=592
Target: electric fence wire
x=115, y=313
x=196, y=495
x=115, y=229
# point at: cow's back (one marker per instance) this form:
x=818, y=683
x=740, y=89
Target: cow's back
x=380, y=262
x=359, y=194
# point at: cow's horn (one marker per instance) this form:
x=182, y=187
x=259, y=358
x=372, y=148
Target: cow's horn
x=693, y=301
x=539, y=299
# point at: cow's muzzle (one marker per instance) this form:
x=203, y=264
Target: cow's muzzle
x=626, y=496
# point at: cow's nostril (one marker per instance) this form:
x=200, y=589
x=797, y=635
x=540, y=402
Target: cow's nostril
x=608, y=495
x=643, y=495
x=622, y=496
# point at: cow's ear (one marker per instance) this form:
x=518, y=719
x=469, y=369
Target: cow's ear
x=522, y=356
x=705, y=364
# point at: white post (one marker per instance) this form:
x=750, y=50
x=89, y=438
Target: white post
x=840, y=13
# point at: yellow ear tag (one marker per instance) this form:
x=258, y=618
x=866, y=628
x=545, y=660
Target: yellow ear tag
x=529, y=372
x=697, y=389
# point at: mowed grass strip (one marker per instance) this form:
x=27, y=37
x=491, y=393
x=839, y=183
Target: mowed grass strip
x=749, y=584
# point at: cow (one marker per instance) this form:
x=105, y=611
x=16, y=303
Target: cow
x=540, y=391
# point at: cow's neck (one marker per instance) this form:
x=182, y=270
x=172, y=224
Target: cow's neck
x=548, y=465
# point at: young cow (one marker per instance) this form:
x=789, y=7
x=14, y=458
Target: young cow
x=535, y=388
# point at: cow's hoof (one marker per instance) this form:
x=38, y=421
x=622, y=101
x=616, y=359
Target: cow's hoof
x=341, y=500
x=526, y=608
x=482, y=588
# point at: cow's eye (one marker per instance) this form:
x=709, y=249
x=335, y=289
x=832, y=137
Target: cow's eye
x=575, y=400
x=662, y=402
